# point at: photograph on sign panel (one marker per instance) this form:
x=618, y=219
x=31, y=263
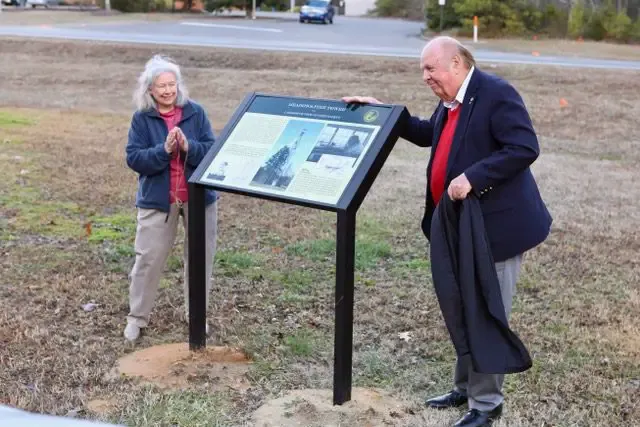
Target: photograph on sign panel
x=245, y=149
x=302, y=158
x=219, y=173
x=341, y=141
x=231, y=168
x=288, y=153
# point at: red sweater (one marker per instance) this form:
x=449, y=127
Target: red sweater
x=441, y=157
x=178, y=182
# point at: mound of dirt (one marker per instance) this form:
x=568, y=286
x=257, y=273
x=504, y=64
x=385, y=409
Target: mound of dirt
x=314, y=408
x=175, y=366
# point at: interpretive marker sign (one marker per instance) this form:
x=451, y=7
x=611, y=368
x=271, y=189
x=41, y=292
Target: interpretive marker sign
x=317, y=153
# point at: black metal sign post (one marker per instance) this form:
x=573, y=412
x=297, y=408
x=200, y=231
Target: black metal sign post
x=197, y=268
x=343, y=341
x=375, y=129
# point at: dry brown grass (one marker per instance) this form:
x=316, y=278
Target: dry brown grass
x=78, y=16
x=58, y=17
x=560, y=47
x=577, y=304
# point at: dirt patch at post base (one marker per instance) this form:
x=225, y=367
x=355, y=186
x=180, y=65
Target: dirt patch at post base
x=175, y=366
x=314, y=408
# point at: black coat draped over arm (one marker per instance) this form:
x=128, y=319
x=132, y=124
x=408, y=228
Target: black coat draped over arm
x=468, y=291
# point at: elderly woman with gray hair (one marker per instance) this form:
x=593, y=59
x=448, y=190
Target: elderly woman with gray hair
x=169, y=136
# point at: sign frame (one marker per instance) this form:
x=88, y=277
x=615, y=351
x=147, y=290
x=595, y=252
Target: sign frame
x=359, y=184
x=346, y=207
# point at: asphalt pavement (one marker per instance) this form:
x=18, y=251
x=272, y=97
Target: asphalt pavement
x=283, y=32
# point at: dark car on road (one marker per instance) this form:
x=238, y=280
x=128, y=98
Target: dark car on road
x=317, y=10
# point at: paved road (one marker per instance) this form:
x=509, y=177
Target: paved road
x=348, y=35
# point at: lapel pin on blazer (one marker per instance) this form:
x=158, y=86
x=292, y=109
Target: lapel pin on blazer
x=471, y=100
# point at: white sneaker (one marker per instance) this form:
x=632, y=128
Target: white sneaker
x=131, y=332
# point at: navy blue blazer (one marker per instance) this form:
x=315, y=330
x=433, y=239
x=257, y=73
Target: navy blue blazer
x=494, y=145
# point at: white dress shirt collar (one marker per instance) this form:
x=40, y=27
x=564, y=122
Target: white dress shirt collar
x=459, y=99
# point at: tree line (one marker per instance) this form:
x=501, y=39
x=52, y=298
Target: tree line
x=130, y=6
x=613, y=20
x=616, y=20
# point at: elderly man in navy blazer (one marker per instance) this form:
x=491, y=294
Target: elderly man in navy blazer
x=483, y=142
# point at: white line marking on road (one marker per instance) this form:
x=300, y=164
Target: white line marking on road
x=235, y=27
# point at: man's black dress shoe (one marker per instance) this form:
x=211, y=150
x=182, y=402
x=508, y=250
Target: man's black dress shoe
x=476, y=418
x=450, y=400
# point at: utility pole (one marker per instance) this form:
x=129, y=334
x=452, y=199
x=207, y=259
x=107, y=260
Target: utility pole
x=107, y=5
x=425, y=16
x=442, y=3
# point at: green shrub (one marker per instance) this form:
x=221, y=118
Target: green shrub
x=513, y=24
x=530, y=17
x=619, y=28
x=412, y=9
x=137, y=6
x=490, y=14
x=449, y=15
x=496, y=17
x=396, y=8
x=516, y=18
x=577, y=20
x=555, y=21
x=634, y=34
x=595, y=26
x=218, y=5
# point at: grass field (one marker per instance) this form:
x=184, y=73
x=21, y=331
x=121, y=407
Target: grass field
x=62, y=17
x=64, y=115
x=562, y=47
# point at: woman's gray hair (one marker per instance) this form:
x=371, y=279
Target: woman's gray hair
x=155, y=66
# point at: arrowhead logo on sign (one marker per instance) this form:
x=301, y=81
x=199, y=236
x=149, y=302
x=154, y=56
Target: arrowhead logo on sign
x=370, y=116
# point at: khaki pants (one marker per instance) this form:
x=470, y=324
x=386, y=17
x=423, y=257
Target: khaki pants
x=155, y=236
